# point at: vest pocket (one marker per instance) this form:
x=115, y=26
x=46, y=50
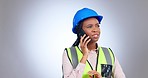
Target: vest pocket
x=106, y=70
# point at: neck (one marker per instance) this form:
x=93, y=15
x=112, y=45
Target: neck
x=92, y=46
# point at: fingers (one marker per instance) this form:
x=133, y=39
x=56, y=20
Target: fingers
x=95, y=73
x=83, y=44
x=92, y=72
x=90, y=76
x=84, y=40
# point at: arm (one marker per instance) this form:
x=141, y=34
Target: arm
x=68, y=70
x=117, y=70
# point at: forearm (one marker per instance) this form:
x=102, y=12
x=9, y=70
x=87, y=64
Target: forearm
x=84, y=59
x=74, y=73
x=68, y=70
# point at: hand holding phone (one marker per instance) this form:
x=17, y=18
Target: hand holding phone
x=84, y=40
x=81, y=33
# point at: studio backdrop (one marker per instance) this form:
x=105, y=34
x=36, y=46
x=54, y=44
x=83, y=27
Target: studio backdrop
x=34, y=33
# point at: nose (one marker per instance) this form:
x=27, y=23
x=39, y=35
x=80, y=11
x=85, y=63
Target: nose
x=95, y=29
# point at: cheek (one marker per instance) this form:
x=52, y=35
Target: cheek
x=87, y=32
x=99, y=31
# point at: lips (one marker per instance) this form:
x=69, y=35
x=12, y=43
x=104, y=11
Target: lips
x=95, y=35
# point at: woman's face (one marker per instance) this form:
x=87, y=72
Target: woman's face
x=92, y=28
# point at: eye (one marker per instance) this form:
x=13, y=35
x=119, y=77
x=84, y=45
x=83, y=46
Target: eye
x=98, y=25
x=89, y=26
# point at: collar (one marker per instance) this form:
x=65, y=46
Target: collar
x=96, y=50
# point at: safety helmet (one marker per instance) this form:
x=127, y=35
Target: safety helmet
x=82, y=14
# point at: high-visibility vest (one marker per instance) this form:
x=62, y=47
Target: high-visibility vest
x=104, y=63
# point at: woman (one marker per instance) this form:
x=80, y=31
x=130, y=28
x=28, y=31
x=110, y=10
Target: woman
x=93, y=61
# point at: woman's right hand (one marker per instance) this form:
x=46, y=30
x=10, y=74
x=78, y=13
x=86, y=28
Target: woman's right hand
x=94, y=73
x=83, y=44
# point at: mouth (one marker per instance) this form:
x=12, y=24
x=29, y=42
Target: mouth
x=95, y=35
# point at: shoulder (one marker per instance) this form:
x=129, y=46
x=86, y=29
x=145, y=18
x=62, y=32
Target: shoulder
x=108, y=51
x=108, y=48
x=69, y=49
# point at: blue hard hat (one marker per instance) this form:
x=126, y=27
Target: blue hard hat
x=84, y=14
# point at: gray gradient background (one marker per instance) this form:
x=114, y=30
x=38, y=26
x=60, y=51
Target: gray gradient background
x=34, y=33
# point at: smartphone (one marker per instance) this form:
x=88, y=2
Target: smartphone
x=81, y=33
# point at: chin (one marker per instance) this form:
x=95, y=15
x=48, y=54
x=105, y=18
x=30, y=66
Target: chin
x=94, y=40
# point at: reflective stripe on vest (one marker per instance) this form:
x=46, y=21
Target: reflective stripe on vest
x=105, y=56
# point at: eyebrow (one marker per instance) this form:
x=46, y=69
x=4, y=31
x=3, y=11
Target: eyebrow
x=92, y=24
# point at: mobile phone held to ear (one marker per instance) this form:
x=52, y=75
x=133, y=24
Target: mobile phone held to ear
x=81, y=33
